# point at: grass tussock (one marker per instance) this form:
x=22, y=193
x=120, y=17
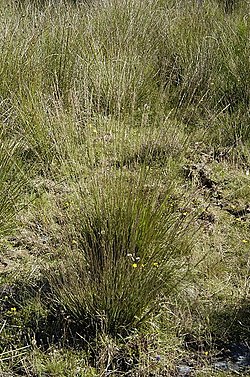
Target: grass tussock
x=127, y=243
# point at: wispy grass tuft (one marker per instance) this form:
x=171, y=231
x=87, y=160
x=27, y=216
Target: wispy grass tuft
x=127, y=246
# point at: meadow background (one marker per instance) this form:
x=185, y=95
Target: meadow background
x=124, y=186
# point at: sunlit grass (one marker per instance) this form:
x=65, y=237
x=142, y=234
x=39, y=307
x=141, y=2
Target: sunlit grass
x=124, y=128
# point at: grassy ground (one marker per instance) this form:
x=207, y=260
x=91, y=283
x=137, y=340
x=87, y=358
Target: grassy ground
x=124, y=184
